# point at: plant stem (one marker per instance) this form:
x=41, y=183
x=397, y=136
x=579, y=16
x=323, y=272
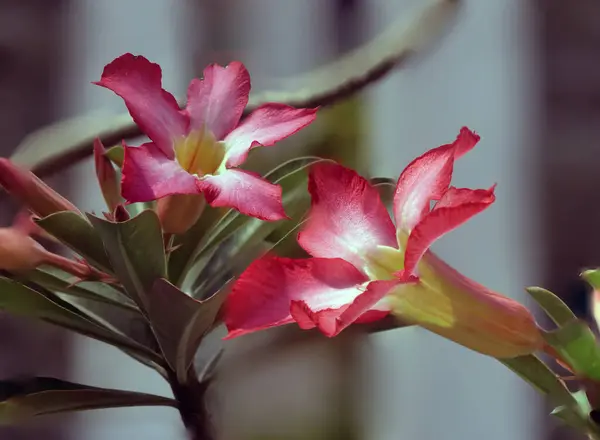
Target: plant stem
x=191, y=404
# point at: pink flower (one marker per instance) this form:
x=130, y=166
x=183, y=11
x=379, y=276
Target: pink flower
x=198, y=149
x=364, y=266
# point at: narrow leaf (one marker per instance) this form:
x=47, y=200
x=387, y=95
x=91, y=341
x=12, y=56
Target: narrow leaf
x=535, y=372
x=20, y=300
x=95, y=291
x=75, y=232
x=23, y=399
x=136, y=250
x=554, y=307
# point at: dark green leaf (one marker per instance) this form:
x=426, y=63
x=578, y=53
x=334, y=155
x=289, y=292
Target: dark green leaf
x=20, y=300
x=180, y=322
x=556, y=309
x=26, y=398
x=78, y=234
x=96, y=291
x=577, y=345
x=136, y=250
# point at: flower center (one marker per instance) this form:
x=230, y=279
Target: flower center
x=382, y=262
x=199, y=152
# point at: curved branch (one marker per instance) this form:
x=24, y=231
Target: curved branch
x=51, y=149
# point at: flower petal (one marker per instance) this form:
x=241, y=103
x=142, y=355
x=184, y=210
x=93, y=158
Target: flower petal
x=332, y=321
x=219, y=99
x=266, y=125
x=426, y=178
x=347, y=218
x=262, y=296
x=149, y=175
x=245, y=191
x=456, y=207
x=154, y=110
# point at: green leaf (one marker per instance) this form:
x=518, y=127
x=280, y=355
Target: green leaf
x=136, y=250
x=187, y=245
x=20, y=300
x=51, y=280
x=556, y=309
x=577, y=345
x=78, y=234
x=180, y=322
x=569, y=407
x=23, y=399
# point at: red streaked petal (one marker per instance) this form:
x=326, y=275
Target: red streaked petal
x=455, y=208
x=262, y=296
x=347, y=217
x=426, y=178
x=266, y=125
x=332, y=321
x=219, y=99
x=149, y=175
x=154, y=110
x=245, y=191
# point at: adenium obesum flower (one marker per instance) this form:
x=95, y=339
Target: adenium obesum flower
x=364, y=266
x=197, y=150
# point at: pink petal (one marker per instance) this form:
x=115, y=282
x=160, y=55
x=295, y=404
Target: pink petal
x=332, y=321
x=155, y=111
x=219, y=99
x=262, y=296
x=347, y=217
x=149, y=175
x=456, y=207
x=426, y=178
x=266, y=125
x=245, y=191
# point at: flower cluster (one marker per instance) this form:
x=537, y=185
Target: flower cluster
x=363, y=265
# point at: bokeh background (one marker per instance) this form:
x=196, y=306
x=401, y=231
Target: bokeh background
x=524, y=74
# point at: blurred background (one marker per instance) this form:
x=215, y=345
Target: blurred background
x=524, y=74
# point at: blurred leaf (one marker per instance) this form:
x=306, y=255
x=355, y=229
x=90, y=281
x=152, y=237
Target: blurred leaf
x=26, y=398
x=180, y=322
x=62, y=144
x=568, y=408
x=90, y=290
x=187, y=244
x=577, y=345
x=79, y=235
x=136, y=251
x=554, y=307
x=69, y=141
x=116, y=154
x=20, y=300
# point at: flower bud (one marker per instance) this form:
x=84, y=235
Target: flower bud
x=30, y=191
x=455, y=307
x=180, y=212
x=19, y=252
x=107, y=177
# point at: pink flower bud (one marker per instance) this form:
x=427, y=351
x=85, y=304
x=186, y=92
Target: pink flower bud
x=30, y=191
x=107, y=177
